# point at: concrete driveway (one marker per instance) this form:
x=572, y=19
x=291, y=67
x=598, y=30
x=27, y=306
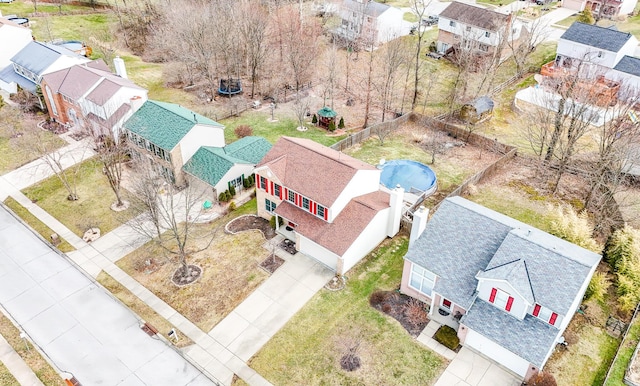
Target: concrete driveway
x=80, y=327
x=469, y=368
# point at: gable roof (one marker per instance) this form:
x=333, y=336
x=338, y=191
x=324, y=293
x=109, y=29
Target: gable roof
x=541, y=267
x=339, y=235
x=165, y=124
x=311, y=169
x=210, y=163
x=369, y=8
x=629, y=64
x=475, y=16
x=37, y=56
x=595, y=36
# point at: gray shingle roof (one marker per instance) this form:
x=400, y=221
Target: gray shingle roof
x=464, y=238
x=473, y=15
x=482, y=104
x=629, y=64
x=371, y=8
x=595, y=36
x=530, y=338
x=8, y=75
x=37, y=57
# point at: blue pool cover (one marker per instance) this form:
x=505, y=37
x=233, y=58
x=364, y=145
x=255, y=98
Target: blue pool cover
x=407, y=174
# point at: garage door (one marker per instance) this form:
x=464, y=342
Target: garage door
x=496, y=352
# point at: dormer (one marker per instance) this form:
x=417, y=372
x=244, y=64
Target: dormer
x=508, y=287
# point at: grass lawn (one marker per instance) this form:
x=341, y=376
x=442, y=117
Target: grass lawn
x=35, y=223
x=308, y=349
x=568, y=21
x=25, y=8
x=497, y=3
x=6, y=378
x=230, y=272
x=624, y=355
x=72, y=27
x=31, y=356
x=272, y=131
x=410, y=17
x=92, y=209
x=141, y=309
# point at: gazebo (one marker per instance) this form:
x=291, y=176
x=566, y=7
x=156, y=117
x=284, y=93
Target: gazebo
x=326, y=116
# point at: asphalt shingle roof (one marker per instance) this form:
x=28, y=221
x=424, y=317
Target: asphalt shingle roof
x=595, y=36
x=629, y=64
x=8, y=75
x=210, y=163
x=37, y=57
x=165, y=124
x=371, y=8
x=530, y=338
x=472, y=15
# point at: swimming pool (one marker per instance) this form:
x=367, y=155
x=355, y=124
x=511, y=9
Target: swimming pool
x=408, y=174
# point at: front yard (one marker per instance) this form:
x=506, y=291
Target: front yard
x=92, y=209
x=309, y=348
x=230, y=271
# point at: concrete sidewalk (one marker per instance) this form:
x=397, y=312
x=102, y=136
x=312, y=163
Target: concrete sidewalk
x=16, y=366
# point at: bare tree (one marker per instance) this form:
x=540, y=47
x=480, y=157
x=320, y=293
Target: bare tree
x=523, y=41
x=171, y=217
x=330, y=74
x=419, y=8
x=253, y=25
x=301, y=108
x=301, y=42
x=392, y=59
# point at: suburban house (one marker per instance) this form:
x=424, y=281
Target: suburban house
x=331, y=205
x=224, y=167
x=468, y=27
x=91, y=94
x=602, y=8
x=34, y=61
x=602, y=58
x=369, y=23
x=509, y=289
x=170, y=135
x=14, y=38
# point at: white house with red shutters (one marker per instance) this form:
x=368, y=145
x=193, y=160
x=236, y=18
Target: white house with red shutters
x=509, y=289
x=331, y=205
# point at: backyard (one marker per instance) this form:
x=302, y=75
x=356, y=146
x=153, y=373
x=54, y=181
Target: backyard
x=309, y=348
x=230, y=271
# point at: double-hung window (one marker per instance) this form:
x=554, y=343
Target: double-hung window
x=501, y=299
x=276, y=190
x=305, y=203
x=270, y=205
x=321, y=211
x=422, y=280
x=292, y=197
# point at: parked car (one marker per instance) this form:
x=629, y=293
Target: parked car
x=430, y=20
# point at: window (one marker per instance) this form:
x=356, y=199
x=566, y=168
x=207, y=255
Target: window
x=292, y=197
x=305, y=203
x=263, y=183
x=320, y=211
x=452, y=23
x=487, y=34
x=468, y=29
x=501, y=299
x=456, y=37
x=545, y=314
x=276, y=190
x=446, y=303
x=483, y=47
x=421, y=279
x=270, y=205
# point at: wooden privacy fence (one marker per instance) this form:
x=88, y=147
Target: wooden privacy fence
x=365, y=134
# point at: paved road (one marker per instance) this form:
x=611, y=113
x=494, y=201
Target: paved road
x=82, y=329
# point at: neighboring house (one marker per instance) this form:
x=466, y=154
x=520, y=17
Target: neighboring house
x=469, y=27
x=369, y=23
x=509, y=289
x=332, y=205
x=170, y=135
x=90, y=93
x=602, y=8
x=14, y=38
x=34, y=61
x=602, y=57
x=224, y=167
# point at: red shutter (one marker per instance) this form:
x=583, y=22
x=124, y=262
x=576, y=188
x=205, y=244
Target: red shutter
x=494, y=292
x=273, y=191
x=297, y=199
x=285, y=193
x=552, y=319
x=281, y=192
x=315, y=208
x=258, y=179
x=326, y=214
x=536, y=310
x=509, y=303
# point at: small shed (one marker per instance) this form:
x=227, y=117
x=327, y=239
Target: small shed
x=326, y=116
x=477, y=110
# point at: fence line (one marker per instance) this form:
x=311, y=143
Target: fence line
x=366, y=133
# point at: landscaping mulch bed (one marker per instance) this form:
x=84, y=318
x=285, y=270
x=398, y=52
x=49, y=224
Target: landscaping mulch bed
x=181, y=277
x=411, y=313
x=271, y=263
x=248, y=222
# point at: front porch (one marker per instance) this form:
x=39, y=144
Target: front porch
x=445, y=317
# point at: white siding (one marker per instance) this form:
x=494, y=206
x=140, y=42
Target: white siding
x=370, y=237
x=518, y=308
x=594, y=55
x=64, y=62
x=201, y=135
x=496, y=352
x=389, y=25
x=13, y=40
x=363, y=182
x=317, y=252
x=236, y=171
